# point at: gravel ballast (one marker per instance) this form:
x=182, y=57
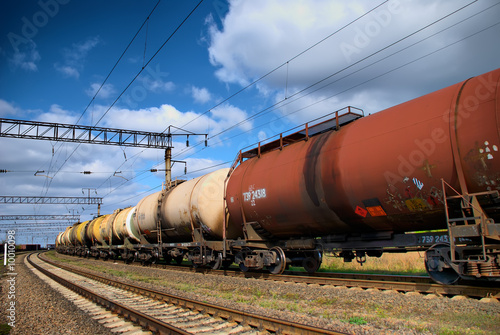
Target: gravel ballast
x=41, y=310
x=353, y=311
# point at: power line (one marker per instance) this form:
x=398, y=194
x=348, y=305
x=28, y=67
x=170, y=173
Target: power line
x=286, y=63
x=149, y=61
x=119, y=59
x=137, y=75
x=288, y=100
x=103, y=83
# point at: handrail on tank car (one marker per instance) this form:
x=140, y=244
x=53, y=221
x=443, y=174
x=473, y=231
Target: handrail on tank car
x=341, y=117
x=304, y=133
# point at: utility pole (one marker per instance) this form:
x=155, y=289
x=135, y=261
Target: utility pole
x=168, y=167
x=98, y=205
x=168, y=151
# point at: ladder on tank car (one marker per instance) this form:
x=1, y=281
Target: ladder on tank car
x=467, y=221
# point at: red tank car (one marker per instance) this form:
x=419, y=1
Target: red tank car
x=384, y=174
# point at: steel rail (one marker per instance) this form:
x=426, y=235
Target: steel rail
x=366, y=281
x=154, y=325
x=257, y=321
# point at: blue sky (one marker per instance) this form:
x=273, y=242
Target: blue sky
x=56, y=53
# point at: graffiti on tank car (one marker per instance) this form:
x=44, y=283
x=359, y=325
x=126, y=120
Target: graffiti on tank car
x=253, y=195
x=418, y=183
x=416, y=205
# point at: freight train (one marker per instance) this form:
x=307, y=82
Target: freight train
x=421, y=176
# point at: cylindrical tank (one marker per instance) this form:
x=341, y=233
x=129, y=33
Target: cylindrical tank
x=81, y=230
x=147, y=215
x=65, y=237
x=130, y=227
x=58, y=239
x=120, y=223
x=198, y=202
x=106, y=228
x=89, y=234
x=379, y=173
x=72, y=234
x=93, y=230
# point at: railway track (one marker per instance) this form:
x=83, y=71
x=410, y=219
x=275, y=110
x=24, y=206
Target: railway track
x=164, y=313
x=365, y=281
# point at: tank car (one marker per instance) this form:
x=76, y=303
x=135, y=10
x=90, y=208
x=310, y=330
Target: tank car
x=429, y=164
x=421, y=176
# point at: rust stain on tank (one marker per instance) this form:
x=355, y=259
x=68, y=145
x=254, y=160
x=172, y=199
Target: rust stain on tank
x=310, y=167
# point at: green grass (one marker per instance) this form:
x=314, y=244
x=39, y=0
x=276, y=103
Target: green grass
x=357, y=320
x=5, y=329
x=411, y=263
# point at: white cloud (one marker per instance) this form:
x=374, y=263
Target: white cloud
x=26, y=59
x=7, y=109
x=157, y=85
x=258, y=36
x=57, y=114
x=157, y=119
x=228, y=115
x=262, y=135
x=201, y=95
x=105, y=92
x=74, y=57
x=67, y=71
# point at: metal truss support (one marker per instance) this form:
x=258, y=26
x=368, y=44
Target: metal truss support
x=8, y=199
x=40, y=217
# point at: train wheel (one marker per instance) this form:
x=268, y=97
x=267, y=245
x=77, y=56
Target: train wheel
x=217, y=263
x=312, y=263
x=280, y=263
x=438, y=265
x=179, y=259
x=240, y=259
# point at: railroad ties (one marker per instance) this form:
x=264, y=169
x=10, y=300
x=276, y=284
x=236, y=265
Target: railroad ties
x=162, y=313
x=150, y=313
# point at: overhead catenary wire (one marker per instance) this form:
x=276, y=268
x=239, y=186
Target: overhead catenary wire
x=126, y=88
x=99, y=89
x=286, y=63
x=288, y=99
x=421, y=29
x=278, y=67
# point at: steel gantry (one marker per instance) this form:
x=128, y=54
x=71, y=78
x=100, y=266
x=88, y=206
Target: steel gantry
x=49, y=131
x=60, y=132
x=15, y=199
x=13, y=217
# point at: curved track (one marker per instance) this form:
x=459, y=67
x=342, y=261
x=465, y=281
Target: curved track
x=155, y=310
x=419, y=284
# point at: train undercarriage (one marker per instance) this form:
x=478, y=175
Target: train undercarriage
x=471, y=261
